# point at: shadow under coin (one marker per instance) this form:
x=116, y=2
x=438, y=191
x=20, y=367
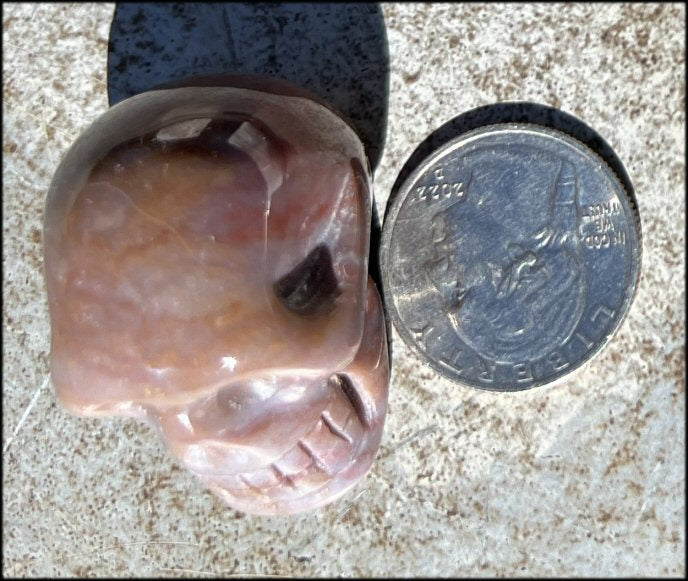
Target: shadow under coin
x=337, y=51
x=515, y=112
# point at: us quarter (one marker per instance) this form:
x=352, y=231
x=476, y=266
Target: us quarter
x=510, y=256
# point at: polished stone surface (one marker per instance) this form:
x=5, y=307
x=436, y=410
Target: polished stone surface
x=586, y=478
x=206, y=253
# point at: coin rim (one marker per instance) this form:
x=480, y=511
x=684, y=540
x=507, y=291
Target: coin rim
x=630, y=210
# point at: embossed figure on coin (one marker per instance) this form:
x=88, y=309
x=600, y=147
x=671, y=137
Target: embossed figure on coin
x=511, y=292
x=524, y=276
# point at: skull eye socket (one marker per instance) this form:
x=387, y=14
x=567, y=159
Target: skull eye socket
x=310, y=288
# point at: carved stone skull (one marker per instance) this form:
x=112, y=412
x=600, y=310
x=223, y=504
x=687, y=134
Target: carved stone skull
x=206, y=262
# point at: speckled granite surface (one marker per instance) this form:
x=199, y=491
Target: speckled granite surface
x=586, y=478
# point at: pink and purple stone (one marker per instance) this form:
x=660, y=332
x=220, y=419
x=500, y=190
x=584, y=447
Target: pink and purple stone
x=206, y=257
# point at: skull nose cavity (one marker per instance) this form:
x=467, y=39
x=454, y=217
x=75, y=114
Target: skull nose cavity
x=311, y=287
x=344, y=383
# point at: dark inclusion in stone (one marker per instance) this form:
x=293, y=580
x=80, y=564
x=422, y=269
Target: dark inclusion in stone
x=310, y=288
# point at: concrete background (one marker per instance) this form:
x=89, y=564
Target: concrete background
x=585, y=478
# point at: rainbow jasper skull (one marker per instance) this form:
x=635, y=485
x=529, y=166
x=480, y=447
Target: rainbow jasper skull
x=206, y=262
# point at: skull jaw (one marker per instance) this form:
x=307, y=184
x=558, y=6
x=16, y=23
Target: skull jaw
x=297, y=444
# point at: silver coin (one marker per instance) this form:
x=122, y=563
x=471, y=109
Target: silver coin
x=510, y=256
